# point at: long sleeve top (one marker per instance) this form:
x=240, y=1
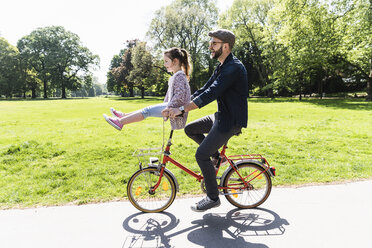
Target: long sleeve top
x=178, y=94
x=229, y=85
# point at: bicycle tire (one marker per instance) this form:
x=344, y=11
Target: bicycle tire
x=138, y=190
x=259, y=187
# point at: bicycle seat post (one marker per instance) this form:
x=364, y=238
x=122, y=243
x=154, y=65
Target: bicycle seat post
x=169, y=143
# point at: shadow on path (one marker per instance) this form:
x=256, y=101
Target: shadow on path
x=215, y=230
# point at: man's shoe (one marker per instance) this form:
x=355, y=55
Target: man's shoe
x=113, y=122
x=116, y=113
x=205, y=204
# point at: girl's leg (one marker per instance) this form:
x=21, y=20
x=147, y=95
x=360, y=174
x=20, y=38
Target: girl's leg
x=135, y=116
x=151, y=111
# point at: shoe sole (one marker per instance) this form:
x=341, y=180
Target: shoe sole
x=112, y=112
x=111, y=123
x=193, y=208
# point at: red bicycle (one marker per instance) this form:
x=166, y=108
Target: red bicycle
x=246, y=183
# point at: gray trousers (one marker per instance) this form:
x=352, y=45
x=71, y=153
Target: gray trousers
x=208, y=147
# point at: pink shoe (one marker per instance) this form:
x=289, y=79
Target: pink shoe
x=113, y=122
x=116, y=113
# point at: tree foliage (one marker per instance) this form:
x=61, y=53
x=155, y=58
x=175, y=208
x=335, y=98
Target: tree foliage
x=135, y=66
x=58, y=57
x=304, y=46
x=289, y=47
x=121, y=66
x=185, y=24
x=142, y=62
x=9, y=57
x=249, y=20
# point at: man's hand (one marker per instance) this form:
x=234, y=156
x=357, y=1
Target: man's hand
x=171, y=112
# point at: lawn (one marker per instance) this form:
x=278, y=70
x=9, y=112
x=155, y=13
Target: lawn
x=55, y=152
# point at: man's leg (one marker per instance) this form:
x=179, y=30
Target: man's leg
x=196, y=130
x=214, y=140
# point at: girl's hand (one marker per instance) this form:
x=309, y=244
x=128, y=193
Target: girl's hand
x=165, y=113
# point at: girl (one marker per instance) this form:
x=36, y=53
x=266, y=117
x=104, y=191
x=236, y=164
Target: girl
x=176, y=61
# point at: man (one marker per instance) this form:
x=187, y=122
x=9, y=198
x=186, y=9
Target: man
x=229, y=86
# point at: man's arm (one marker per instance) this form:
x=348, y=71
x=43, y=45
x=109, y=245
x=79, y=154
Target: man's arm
x=173, y=112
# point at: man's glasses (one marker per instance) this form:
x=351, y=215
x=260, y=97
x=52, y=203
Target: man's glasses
x=213, y=43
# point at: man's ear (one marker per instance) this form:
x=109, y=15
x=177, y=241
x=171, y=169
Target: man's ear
x=226, y=46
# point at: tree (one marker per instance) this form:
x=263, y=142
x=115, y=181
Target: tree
x=185, y=24
x=59, y=58
x=353, y=23
x=28, y=76
x=323, y=40
x=32, y=82
x=249, y=21
x=120, y=68
x=98, y=88
x=142, y=62
x=9, y=69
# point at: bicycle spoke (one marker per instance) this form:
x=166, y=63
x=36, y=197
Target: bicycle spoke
x=140, y=190
x=251, y=193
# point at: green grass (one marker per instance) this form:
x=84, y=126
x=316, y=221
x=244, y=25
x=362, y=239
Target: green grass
x=55, y=152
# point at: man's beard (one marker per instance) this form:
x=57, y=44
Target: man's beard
x=217, y=53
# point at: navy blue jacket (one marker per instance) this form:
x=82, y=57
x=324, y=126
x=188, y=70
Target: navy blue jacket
x=229, y=85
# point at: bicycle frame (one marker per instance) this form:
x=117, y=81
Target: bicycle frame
x=199, y=177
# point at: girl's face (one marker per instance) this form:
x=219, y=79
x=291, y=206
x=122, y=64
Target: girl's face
x=171, y=65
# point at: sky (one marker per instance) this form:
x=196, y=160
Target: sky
x=103, y=26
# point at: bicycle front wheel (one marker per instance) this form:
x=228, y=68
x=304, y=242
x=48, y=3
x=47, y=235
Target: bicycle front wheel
x=248, y=186
x=143, y=197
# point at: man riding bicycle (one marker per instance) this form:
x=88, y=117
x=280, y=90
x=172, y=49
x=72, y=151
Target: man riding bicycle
x=229, y=86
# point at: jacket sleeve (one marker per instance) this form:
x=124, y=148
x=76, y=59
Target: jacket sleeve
x=216, y=89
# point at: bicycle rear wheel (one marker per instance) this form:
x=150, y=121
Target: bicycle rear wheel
x=140, y=192
x=253, y=194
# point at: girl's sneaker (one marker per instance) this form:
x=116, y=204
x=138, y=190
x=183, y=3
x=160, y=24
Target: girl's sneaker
x=116, y=113
x=113, y=122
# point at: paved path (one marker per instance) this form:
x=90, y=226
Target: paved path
x=314, y=216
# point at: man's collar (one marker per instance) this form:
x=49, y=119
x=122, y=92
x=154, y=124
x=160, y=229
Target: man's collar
x=227, y=59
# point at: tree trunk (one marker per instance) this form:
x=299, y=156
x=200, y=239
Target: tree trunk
x=63, y=92
x=369, y=89
x=142, y=92
x=270, y=93
x=33, y=93
x=45, y=89
x=131, y=91
x=259, y=65
x=369, y=85
x=320, y=89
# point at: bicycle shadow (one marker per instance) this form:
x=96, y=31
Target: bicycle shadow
x=213, y=230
